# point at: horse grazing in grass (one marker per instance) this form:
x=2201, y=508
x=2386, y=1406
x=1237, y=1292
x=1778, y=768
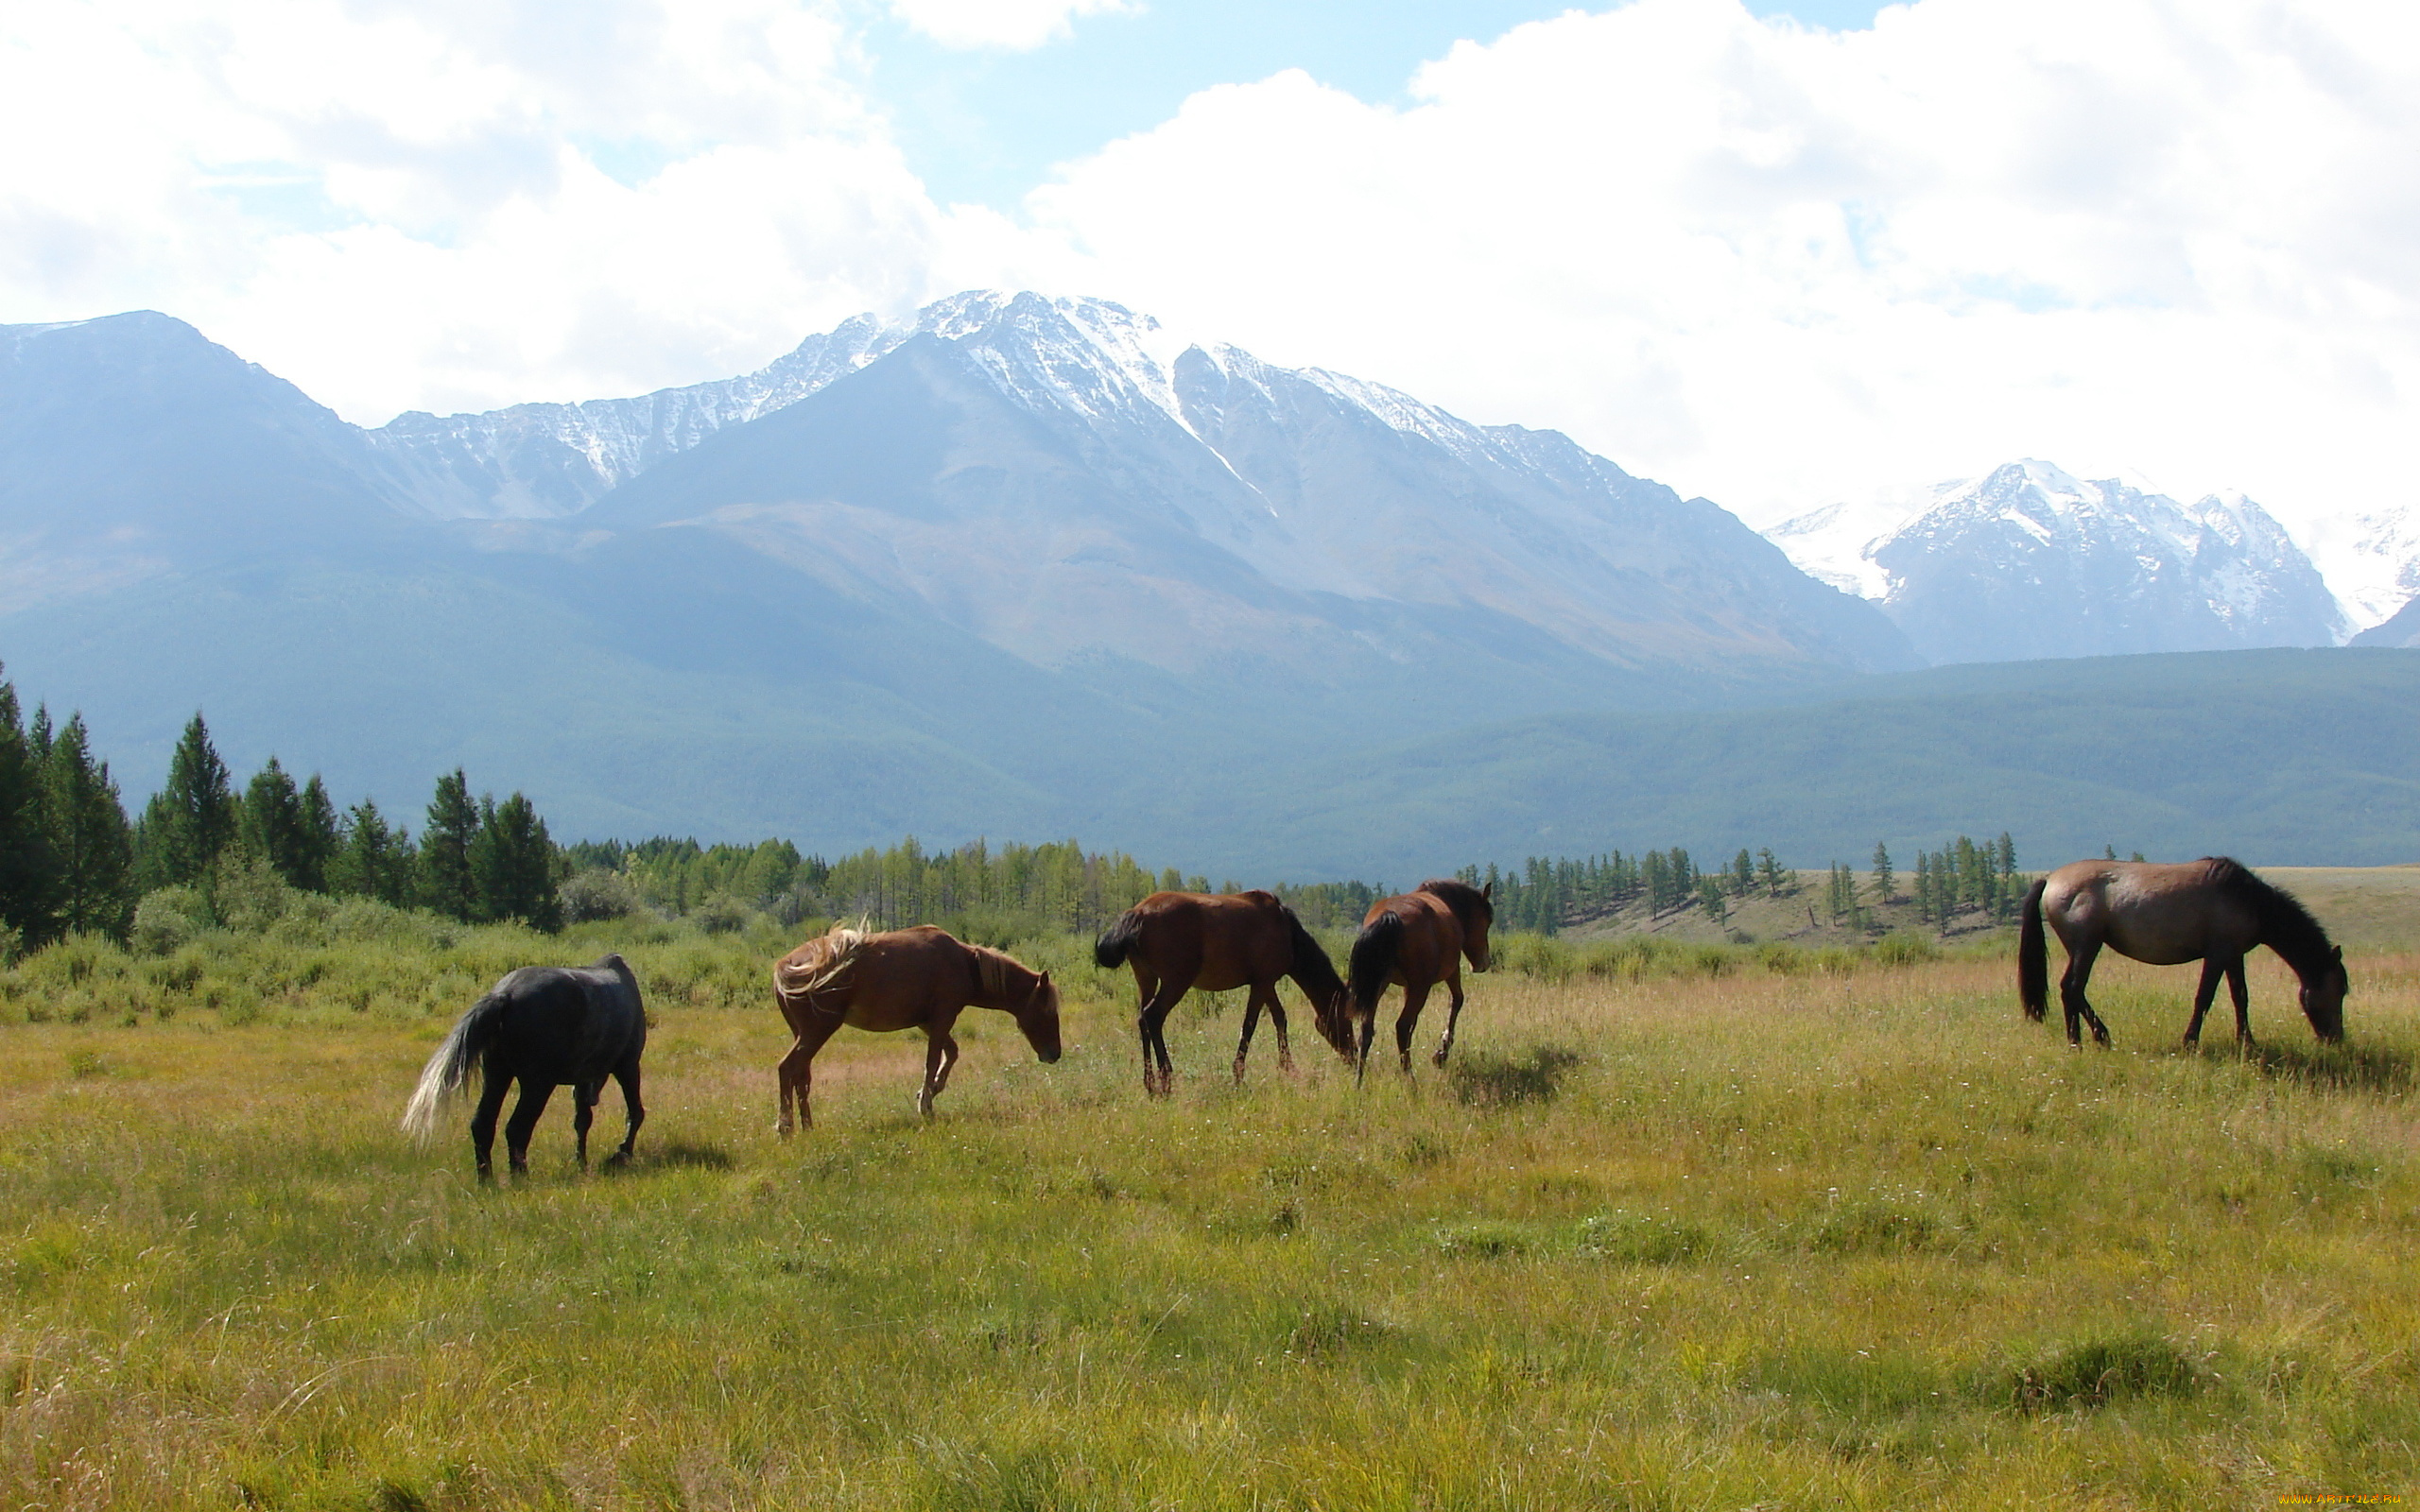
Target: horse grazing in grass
x=543, y=1027
x=1415, y=940
x=2212, y=910
x=918, y=978
x=1176, y=941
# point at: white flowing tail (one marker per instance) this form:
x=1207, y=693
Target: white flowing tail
x=451, y=1065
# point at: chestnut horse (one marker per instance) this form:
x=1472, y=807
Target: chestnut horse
x=2212, y=910
x=1415, y=940
x=918, y=978
x=1180, y=940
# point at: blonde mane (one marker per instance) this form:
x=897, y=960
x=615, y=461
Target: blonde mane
x=827, y=960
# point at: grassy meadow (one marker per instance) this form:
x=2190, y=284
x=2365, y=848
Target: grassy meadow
x=1682, y=1227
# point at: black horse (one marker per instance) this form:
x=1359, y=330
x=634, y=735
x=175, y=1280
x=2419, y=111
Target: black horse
x=545, y=1026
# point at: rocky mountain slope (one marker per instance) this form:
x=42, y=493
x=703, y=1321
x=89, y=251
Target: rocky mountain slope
x=2029, y=561
x=1017, y=565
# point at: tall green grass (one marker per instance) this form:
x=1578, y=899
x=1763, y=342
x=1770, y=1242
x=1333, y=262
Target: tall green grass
x=1684, y=1235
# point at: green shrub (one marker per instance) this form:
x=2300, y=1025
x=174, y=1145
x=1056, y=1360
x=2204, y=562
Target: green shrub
x=2099, y=1371
x=1640, y=1239
x=1906, y=947
x=169, y=920
x=597, y=894
x=1484, y=1079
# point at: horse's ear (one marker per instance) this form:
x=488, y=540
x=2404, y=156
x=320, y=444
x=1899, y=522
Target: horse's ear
x=2338, y=954
x=1488, y=892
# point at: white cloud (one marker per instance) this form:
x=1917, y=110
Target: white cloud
x=1013, y=25
x=1772, y=264
x=410, y=204
x=1781, y=267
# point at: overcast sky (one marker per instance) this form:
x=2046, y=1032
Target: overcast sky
x=1775, y=254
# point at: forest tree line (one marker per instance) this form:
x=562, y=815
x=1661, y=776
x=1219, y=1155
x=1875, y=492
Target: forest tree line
x=1546, y=894
x=71, y=859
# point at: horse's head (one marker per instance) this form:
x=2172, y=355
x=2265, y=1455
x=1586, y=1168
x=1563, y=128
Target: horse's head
x=2323, y=997
x=1038, y=1017
x=1332, y=1015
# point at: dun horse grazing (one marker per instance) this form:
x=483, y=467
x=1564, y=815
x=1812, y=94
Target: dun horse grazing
x=2212, y=910
x=918, y=978
x=1176, y=941
x=543, y=1027
x=1415, y=940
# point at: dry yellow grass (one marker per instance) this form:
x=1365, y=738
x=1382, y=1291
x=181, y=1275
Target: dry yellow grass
x=1853, y=1240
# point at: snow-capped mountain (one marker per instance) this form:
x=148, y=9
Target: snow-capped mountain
x=2030, y=561
x=1051, y=476
x=2371, y=560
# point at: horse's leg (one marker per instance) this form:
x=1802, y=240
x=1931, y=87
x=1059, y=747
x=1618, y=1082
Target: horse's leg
x=941, y=1054
x=2242, y=995
x=1369, y=1032
x=1278, y=1022
x=1158, y=1076
x=1251, y=1022
x=583, y=1112
x=634, y=1110
x=797, y=1070
x=492, y=1090
x=524, y=1119
x=2212, y=968
x=1453, y=1016
x=2071, y=996
x=1409, y=1020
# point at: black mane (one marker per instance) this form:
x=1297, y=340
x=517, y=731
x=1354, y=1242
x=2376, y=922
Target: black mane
x=2286, y=926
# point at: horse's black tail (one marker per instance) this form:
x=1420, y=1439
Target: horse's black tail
x=1316, y=974
x=1374, y=959
x=1109, y=951
x=2033, y=957
x=452, y=1063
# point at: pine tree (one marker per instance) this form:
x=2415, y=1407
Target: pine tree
x=90, y=840
x=1743, y=873
x=26, y=866
x=1923, y=887
x=271, y=824
x=1769, y=868
x=320, y=833
x=371, y=859
x=189, y=821
x=1884, y=882
x=513, y=861
x=447, y=883
x=1710, y=894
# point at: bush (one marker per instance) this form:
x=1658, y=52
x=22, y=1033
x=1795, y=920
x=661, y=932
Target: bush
x=167, y=921
x=247, y=893
x=2100, y=1372
x=722, y=914
x=597, y=894
x=1485, y=1080
x=1906, y=947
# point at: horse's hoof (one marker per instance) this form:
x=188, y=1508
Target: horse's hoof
x=616, y=1161
x=1439, y=1058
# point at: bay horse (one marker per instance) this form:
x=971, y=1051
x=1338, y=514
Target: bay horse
x=917, y=978
x=1176, y=941
x=543, y=1027
x=1415, y=940
x=2213, y=910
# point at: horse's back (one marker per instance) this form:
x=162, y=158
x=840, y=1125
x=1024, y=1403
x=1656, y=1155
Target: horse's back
x=1433, y=933
x=891, y=980
x=2162, y=913
x=573, y=1024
